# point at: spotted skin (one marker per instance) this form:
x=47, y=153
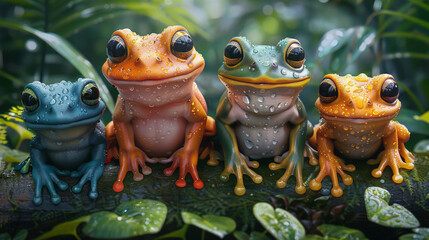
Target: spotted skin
x=260, y=115
x=358, y=125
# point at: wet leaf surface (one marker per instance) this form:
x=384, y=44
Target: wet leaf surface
x=341, y=232
x=218, y=225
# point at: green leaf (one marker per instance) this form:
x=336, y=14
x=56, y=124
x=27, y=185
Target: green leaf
x=66, y=228
x=340, y=232
x=365, y=37
x=5, y=236
x=422, y=146
x=424, y=117
x=22, y=132
x=65, y=49
x=12, y=155
x=419, y=233
x=315, y=237
x=379, y=211
x=280, y=223
x=415, y=20
x=21, y=235
x=130, y=219
x=406, y=117
x=240, y=235
x=218, y=225
x=333, y=40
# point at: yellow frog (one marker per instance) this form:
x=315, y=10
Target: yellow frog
x=160, y=115
x=357, y=124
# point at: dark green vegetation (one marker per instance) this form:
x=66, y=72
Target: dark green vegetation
x=53, y=40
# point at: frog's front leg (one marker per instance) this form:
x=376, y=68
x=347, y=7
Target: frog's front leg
x=394, y=148
x=45, y=174
x=92, y=170
x=293, y=159
x=130, y=156
x=186, y=158
x=330, y=165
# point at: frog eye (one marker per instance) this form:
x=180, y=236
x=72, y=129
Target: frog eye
x=233, y=53
x=182, y=44
x=295, y=55
x=327, y=91
x=29, y=100
x=389, y=91
x=116, y=49
x=90, y=94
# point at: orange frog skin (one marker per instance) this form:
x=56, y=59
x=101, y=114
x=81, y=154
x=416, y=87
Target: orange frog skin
x=160, y=115
x=357, y=124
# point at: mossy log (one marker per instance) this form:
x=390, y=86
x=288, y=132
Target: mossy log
x=18, y=212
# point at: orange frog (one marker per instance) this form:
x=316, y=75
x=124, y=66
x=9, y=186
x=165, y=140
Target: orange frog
x=160, y=115
x=357, y=124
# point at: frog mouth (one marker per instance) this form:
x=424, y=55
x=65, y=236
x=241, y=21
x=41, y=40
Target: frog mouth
x=358, y=120
x=265, y=82
x=35, y=125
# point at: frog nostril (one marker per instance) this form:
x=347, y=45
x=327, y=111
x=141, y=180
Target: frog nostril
x=369, y=103
x=70, y=107
x=274, y=65
x=253, y=65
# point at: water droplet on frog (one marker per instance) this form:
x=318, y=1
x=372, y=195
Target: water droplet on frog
x=275, y=142
x=272, y=109
x=159, y=86
x=246, y=115
x=246, y=99
x=64, y=98
x=256, y=110
x=295, y=75
x=269, y=118
x=260, y=99
x=255, y=50
x=286, y=103
x=158, y=99
x=65, y=90
x=284, y=71
x=249, y=144
x=59, y=143
x=131, y=89
x=52, y=102
x=273, y=95
x=279, y=105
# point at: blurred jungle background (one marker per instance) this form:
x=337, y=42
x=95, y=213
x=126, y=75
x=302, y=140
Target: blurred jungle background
x=49, y=41
x=54, y=40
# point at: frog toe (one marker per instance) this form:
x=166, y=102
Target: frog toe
x=76, y=188
x=377, y=173
x=397, y=178
x=62, y=185
x=55, y=199
x=239, y=190
x=198, y=184
x=281, y=183
x=337, y=191
x=37, y=200
x=93, y=195
x=137, y=176
x=300, y=189
x=315, y=185
x=224, y=176
x=118, y=186
x=181, y=183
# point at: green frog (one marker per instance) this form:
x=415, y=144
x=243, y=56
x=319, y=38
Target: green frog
x=260, y=115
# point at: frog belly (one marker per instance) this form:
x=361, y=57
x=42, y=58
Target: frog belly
x=159, y=137
x=68, y=159
x=360, y=141
x=264, y=142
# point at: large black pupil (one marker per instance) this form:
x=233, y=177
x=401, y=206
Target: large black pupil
x=232, y=52
x=296, y=54
x=391, y=90
x=327, y=90
x=116, y=49
x=183, y=44
x=91, y=94
x=28, y=100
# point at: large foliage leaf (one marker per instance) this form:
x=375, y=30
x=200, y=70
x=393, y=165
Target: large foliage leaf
x=65, y=49
x=66, y=228
x=280, y=223
x=130, y=219
x=239, y=235
x=380, y=212
x=419, y=234
x=218, y=225
x=406, y=117
x=340, y=232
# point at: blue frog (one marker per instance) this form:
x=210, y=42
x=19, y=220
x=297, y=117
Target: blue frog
x=70, y=138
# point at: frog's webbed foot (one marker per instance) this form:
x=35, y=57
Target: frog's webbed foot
x=311, y=154
x=209, y=151
x=187, y=163
x=46, y=175
x=130, y=160
x=90, y=171
x=332, y=165
x=392, y=157
x=291, y=161
x=238, y=164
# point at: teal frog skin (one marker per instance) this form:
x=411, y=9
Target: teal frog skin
x=260, y=115
x=70, y=139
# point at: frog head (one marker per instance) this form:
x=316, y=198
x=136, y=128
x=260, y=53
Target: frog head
x=264, y=79
x=153, y=69
x=63, y=105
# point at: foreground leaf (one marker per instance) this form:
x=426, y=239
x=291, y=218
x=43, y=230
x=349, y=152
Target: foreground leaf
x=424, y=117
x=66, y=228
x=280, y=223
x=130, y=219
x=218, y=225
x=340, y=232
x=12, y=155
x=422, y=146
x=419, y=233
x=239, y=235
x=379, y=211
